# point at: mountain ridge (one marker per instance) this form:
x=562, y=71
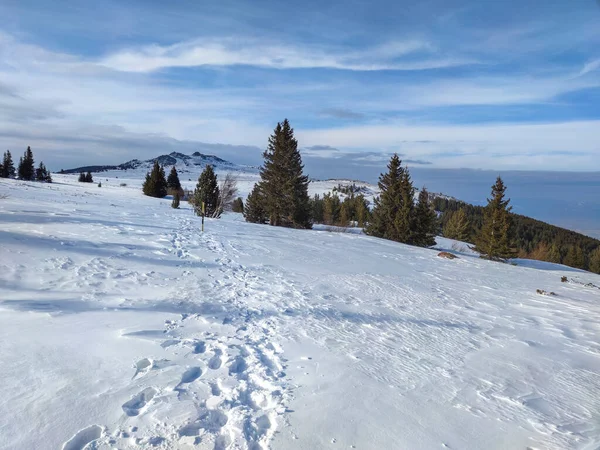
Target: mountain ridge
x=178, y=159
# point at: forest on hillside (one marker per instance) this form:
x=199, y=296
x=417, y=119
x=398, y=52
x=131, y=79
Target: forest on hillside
x=531, y=238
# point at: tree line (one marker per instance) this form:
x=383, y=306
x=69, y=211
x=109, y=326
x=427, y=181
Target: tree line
x=26, y=169
x=529, y=238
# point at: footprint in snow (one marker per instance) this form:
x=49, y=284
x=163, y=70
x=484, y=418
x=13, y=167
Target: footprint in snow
x=142, y=367
x=133, y=407
x=215, y=362
x=200, y=347
x=190, y=375
x=82, y=438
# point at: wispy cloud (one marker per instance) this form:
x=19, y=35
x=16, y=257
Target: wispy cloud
x=231, y=52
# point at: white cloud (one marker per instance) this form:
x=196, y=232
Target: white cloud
x=228, y=52
x=590, y=66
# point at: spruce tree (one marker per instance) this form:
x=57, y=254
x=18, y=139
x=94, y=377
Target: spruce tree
x=155, y=184
x=425, y=222
x=493, y=240
x=554, y=253
x=595, y=261
x=89, y=178
x=344, y=221
x=41, y=173
x=8, y=167
x=81, y=177
x=283, y=183
x=26, y=166
x=331, y=208
x=254, y=210
x=238, y=205
x=316, y=204
x=574, y=257
x=392, y=216
x=207, y=191
x=173, y=183
x=362, y=211
x=458, y=226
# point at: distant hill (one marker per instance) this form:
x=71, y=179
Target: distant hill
x=180, y=160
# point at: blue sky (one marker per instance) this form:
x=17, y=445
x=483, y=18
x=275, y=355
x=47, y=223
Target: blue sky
x=445, y=83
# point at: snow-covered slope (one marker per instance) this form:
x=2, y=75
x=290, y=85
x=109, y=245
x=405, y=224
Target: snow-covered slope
x=123, y=325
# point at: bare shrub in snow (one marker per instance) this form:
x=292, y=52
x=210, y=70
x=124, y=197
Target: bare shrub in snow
x=227, y=192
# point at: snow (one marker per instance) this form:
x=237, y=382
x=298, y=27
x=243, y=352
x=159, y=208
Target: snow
x=123, y=326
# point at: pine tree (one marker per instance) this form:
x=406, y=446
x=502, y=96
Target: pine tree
x=362, y=211
x=317, y=209
x=207, y=191
x=574, y=257
x=595, y=261
x=88, y=177
x=392, y=216
x=344, y=221
x=155, y=184
x=254, y=210
x=175, y=202
x=26, y=166
x=425, y=222
x=493, y=240
x=8, y=167
x=458, y=226
x=554, y=254
x=173, y=183
x=238, y=205
x=42, y=174
x=331, y=208
x=81, y=177
x=283, y=184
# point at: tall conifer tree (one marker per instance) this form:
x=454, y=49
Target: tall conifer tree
x=207, y=191
x=425, y=222
x=254, y=210
x=392, y=216
x=26, y=166
x=173, y=183
x=283, y=184
x=8, y=167
x=155, y=184
x=493, y=240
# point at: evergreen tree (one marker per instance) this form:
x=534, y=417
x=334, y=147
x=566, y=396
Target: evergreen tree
x=317, y=209
x=574, y=257
x=554, y=254
x=392, y=216
x=26, y=166
x=89, y=178
x=238, y=205
x=493, y=241
x=344, y=221
x=175, y=202
x=8, y=167
x=362, y=211
x=173, y=184
x=595, y=261
x=254, y=210
x=155, y=184
x=458, y=226
x=42, y=174
x=425, y=222
x=82, y=177
x=283, y=184
x=331, y=208
x=207, y=191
